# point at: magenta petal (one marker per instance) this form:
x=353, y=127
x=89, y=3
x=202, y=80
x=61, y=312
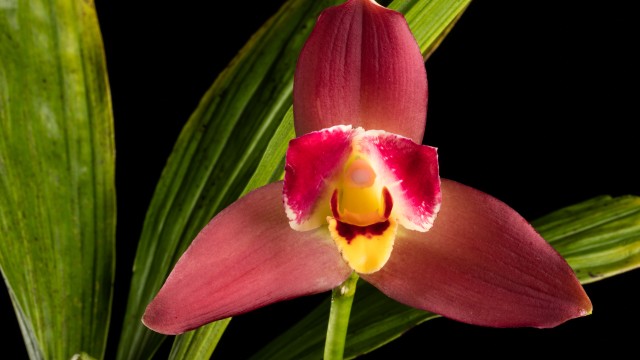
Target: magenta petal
x=245, y=258
x=312, y=160
x=482, y=264
x=361, y=66
x=411, y=173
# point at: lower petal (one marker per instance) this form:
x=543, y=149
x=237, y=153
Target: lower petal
x=245, y=258
x=482, y=264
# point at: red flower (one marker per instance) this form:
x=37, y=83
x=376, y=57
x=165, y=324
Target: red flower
x=361, y=194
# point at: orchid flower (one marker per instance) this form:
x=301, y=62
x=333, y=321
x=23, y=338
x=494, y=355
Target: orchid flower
x=361, y=193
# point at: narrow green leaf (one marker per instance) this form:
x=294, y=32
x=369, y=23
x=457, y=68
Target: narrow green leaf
x=57, y=196
x=430, y=20
x=215, y=156
x=599, y=238
x=271, y=166
x=198, y=344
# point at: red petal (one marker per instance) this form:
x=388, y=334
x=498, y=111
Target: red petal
x=311, y=162
x=411, y=175
x=482, y=264
x=246, y=257
x=361, y=66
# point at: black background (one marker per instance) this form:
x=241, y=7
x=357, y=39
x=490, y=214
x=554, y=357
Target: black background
x=532, y=102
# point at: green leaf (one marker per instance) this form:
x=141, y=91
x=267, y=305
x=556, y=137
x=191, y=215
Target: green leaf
x=266, y=172
x=57, y=196
x=198, y=344
x=215, y=156
x=430, y=20
x=598, y=238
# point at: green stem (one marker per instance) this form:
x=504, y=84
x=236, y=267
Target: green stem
x=341, y=300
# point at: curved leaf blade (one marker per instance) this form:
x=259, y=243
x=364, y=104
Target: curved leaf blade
x=199, y=344
x=431, y=20
x=599, y=238
x=58, y=213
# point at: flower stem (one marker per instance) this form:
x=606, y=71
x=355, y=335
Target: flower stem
x=341, y=300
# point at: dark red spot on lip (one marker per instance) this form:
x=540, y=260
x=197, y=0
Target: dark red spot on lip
x=388, y=202
x=334, y=204
x=349, y=232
